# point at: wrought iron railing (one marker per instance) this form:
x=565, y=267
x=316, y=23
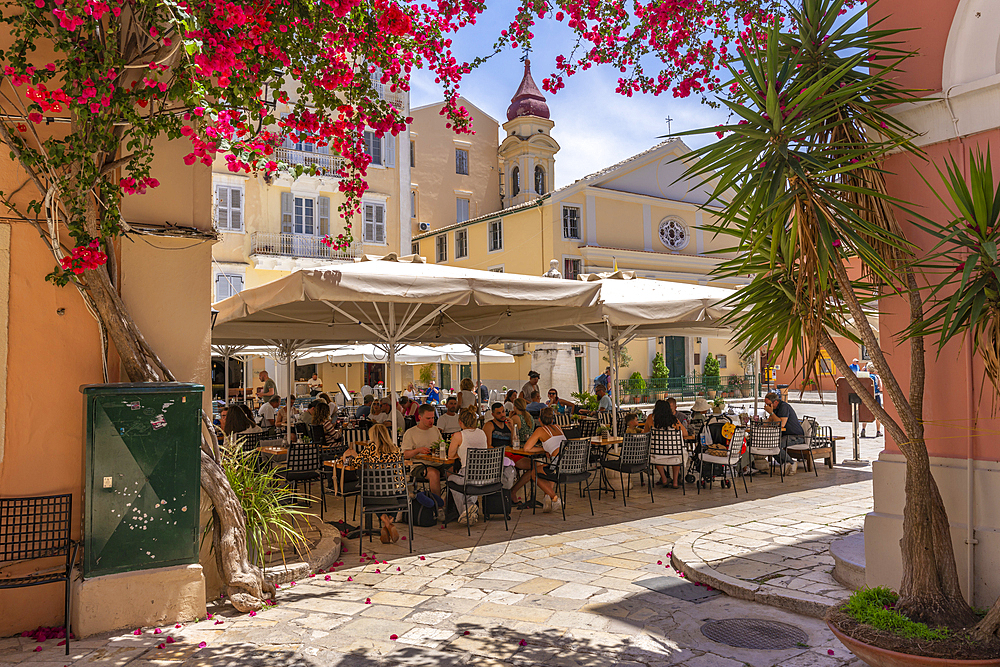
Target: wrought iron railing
x=647, y=390
x=330, y=164
x=298, y=245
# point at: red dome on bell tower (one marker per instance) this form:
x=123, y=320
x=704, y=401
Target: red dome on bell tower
x=528, y=100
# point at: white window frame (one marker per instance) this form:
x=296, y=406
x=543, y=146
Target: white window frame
x=364, y=221
x=441, y=248
x=496, y=269
x=413, y=204
x=370, y=139
x=572, y=257
x=723, y=362
x=229, y=276
x=464, y=245
x=299, y=216
x=489, y=236
x=415, y=248
x=468, y=209
x=229, y=187
x=579, y=222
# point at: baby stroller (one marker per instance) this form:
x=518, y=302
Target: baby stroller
x=714, y=426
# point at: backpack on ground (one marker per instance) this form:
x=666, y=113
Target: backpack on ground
x=496, y=504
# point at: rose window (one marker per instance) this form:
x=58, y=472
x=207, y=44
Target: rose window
x=674, y=234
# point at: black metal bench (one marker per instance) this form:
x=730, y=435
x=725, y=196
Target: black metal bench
x=34, y=528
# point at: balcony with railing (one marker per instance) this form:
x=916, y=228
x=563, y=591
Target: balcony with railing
x=274, y=244
x=331, y=164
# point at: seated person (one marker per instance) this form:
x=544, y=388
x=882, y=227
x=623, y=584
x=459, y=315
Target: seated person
x=449, y=423
x=498, y=430
x=508, y=401
x=418, y=441
x=365, y=409
x=315, y=385
x=333, y=440
x=407, y=407
x=662, y=417
x=466, y=396
x=632, y=423
x=522, y=421
x=269, y=411
x=380, y=449
x=681, y=416
x=281, y=417
x=547, y=438
x=471, y=436
x=604, y=401
x=535, y=407
x=432, y=393
x=384, y=414
x=782, y=413
x=239, y=422
x=559, y=404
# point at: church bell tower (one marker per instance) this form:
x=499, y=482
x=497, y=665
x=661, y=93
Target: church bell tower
x=527, y=152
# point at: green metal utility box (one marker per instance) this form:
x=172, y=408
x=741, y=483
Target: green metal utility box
x=142, y=485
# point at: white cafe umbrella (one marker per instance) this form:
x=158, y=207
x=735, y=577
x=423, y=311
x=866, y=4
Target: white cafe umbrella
x=393, y=302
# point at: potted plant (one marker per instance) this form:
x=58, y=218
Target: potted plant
x=711, y=374
x=718, y=404
x=586, y=400
x=808, y=384
x=635, y=386
x=803, y=195
x=659, y=378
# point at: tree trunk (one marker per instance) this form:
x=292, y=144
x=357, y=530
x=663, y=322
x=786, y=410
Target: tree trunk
x=246, y=587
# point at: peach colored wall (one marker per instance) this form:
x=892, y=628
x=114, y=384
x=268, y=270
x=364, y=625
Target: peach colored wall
x=49, y=357
x=950, y=390
x=933, y=17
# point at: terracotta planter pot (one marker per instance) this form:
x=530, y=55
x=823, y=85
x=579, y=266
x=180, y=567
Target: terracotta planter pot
x=880, y=657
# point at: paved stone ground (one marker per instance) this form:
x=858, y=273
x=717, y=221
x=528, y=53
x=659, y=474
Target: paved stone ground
x=547, y=592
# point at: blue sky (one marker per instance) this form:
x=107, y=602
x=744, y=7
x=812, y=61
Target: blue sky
x=595, y=126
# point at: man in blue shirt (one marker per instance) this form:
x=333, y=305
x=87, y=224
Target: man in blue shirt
x=432, y=393
x=536, y=406
x=854, y=367
x=604, y=401
x=365, y=409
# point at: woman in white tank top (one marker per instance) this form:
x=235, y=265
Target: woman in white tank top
x=547, y=438
x=470, y=437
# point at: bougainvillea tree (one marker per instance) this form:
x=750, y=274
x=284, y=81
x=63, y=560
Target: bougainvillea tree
x=91, y=86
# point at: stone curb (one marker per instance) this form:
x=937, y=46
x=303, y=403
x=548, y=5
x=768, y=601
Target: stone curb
x=685, y=560
x=325, y=554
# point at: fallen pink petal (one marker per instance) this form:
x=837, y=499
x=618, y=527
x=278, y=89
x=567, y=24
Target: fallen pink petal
x=178, y=625
x=377, y=571
x=37, y=649
x=209, y=617
x=202, y=644
x=157, y=631
x=219, y=622
x=393, y=637
x=350, y=578
x=160, y=645
x=423, y=558
x=829, y=651
x=253, y=613
x=368, y=600
x=659, y=562
x=466, y=632
x=523, y=643
x=327, y=578
x=137, y=631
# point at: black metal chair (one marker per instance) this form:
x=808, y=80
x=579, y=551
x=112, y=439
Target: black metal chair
x=572, y=467
x=817, y=437
x=302, y=430
x=563, y=419
x=732, y=459
x=588, y=427
x=250, y=441
x=765, y=440
x=483, y=474
x=303, y=467
x=667, y=445
x=634, y=458
x=383, y=491
x=36, y=528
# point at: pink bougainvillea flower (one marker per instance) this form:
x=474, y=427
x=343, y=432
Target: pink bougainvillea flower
x=62, y=643
x=829, y=651
x=398, y=570
x=38, y=648
x=466, y=632
x=293, y=583
x=170, y=640
x=368, y=600
x=137, y=631
x=219, y=622
x=160, y=645
x=209, y=617
x=202, y=645
x=522, y=643
x=253, y=613
x=670, y=554
x=178, y=625
x=659, y=562
x=327, y=578
x=350, y=578
x=393, y=637
x=378, y=571
x=157, y=631
x=403, y=538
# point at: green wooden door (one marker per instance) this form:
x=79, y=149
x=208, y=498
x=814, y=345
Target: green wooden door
x=674, y=356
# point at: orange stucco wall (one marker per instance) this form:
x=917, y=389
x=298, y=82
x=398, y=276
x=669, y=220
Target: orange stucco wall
x=954, y=396
x=933, y=18
x=49, y=357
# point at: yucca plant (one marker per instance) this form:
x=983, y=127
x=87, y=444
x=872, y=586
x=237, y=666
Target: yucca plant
x=273, y=518
x=798, y=175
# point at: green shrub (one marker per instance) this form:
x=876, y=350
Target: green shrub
x=635, y=385
x=876, y=607
x=660, y=369
x=711, y=372
x=586, y=400
x=426, y=375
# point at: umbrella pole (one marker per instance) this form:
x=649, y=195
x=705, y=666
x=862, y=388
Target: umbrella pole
x=479, y=379
x=225, y=382
x=288, y=400
x=392, y=369
x=613, y=358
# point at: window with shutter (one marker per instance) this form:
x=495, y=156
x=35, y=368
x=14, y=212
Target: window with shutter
x=389, y=143
x=571, y=222
x=461, y=243
x=305, y=218
x=229, y=208
x=286, y=212
x=413, y=154
x=373, y=147
x=461, y=210
x=461, y=161
x=374, y=223
x=495, y=236
x=324, y=216
x=413, y=203
x=227, y=284
x=442, y=247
